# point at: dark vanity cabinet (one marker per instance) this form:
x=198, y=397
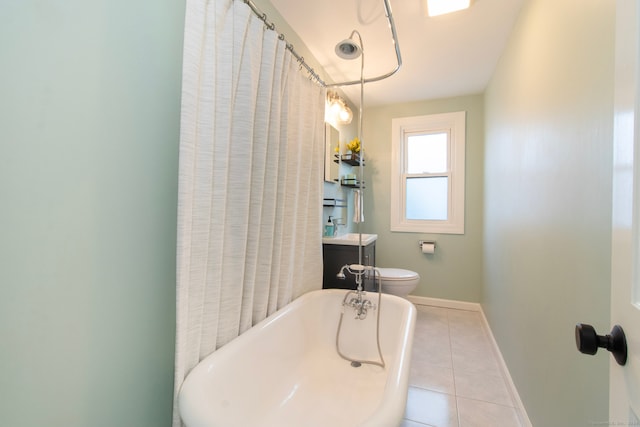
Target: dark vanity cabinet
x=335, y=256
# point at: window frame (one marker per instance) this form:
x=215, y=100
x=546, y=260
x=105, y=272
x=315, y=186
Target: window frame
x=454, y=124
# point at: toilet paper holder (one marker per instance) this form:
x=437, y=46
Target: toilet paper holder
x=428, y=242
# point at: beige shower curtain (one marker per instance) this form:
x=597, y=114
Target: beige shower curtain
x=250, y=182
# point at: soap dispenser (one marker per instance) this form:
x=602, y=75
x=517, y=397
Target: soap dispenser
x=328, y=228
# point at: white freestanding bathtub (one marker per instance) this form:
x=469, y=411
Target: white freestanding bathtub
x=285, y=371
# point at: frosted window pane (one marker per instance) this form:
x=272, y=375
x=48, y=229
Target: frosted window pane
x=427, y=153
x=427, y=198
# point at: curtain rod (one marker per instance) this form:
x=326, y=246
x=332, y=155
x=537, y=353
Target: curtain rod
x=271, y=26
x=311, y=71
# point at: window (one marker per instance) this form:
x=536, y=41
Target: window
x=427, y=173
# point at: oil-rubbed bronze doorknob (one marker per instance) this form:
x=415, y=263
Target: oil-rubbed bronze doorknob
x=588, y=341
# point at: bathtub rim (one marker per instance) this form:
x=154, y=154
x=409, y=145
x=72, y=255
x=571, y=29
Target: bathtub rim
x=394, y=395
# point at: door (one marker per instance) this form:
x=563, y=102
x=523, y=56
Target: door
x=624, y=385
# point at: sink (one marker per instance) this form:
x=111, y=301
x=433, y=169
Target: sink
x=350, y=239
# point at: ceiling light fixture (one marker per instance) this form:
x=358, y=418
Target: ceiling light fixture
x=441, y=7
x=337, y=110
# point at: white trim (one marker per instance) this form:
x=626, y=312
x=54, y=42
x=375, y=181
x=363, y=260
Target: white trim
x=474, y=306
x=511, y=387
x=453, y=123
x=445, y=303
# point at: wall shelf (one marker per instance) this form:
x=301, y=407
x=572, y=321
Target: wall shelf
x=354, y=185
x=334, y=203
x=350, y=159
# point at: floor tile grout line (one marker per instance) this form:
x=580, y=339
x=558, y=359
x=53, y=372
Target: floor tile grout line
x=418, y=422
x=435, y=391
x=453, y=369
x=486, y=401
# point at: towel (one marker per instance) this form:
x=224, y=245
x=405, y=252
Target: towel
x=358, y=207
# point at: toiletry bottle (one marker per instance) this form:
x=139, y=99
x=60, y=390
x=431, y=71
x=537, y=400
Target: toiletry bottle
x=328, y=228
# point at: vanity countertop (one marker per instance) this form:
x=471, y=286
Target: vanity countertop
x=350, y=239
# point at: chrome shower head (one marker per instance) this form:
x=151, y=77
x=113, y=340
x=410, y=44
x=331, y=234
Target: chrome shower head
x=348, y=49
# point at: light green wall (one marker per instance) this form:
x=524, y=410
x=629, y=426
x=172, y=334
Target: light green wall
x=89, y=127
x=549, y=112
x=455, y=270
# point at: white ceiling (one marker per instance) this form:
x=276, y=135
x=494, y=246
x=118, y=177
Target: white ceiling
x=444, y=56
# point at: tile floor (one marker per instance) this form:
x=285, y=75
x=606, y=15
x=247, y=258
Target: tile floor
x=455, y=378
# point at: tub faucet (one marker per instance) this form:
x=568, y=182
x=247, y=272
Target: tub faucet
x=359, y=304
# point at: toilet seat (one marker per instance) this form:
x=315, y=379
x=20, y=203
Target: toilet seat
x=397, y=281
x=397, y=274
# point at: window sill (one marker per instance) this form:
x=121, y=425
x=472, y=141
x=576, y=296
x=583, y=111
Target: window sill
x=430, y=228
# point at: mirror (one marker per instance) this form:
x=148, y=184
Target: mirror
x=331, y=141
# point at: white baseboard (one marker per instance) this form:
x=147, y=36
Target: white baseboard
x=522, y=413
x=473, y=306
x=445, y=303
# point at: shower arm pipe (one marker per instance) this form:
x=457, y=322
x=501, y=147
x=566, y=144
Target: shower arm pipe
x=392, y=26
x=361, y=166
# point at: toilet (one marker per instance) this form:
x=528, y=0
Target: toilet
x=397, y=281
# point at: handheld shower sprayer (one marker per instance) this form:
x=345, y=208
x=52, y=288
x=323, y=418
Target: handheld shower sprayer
x=357, y=270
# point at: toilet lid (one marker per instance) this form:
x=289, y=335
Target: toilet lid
x=398, y=274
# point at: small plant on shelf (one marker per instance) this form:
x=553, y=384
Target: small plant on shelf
x=354, y=145
x=354, y=154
